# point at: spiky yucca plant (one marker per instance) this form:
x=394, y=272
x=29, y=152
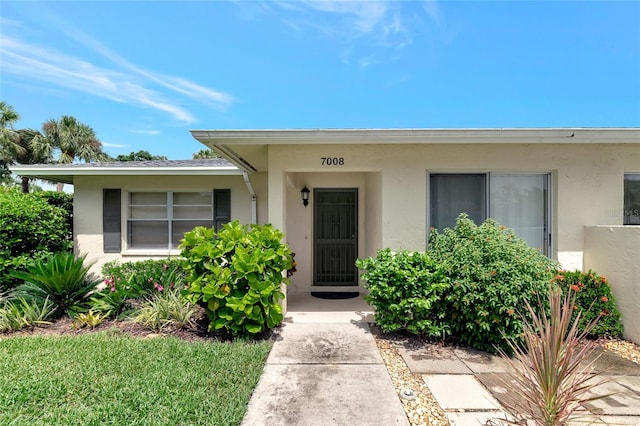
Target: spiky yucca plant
x=551, y=377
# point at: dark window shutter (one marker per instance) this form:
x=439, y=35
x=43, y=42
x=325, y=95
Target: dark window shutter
x=221, y=207
x=111, y=220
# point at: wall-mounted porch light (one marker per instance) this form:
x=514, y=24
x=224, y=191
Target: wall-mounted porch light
x=305, y=195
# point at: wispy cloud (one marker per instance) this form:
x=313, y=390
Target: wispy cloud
x=122, y=82
x=146, y=132
x=381, y=26
x=113, y=145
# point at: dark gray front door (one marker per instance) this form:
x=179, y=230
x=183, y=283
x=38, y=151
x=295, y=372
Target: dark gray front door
x=335, y=236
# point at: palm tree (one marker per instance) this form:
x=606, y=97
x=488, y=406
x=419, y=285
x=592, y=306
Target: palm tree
x=8, y=146
x=72, y=140
x=28, y=140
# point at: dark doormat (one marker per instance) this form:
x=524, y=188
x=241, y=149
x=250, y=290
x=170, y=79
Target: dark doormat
x=335, y=294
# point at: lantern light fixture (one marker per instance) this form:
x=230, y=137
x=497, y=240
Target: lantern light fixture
x=305, y=195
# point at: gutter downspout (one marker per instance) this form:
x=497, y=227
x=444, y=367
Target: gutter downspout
x=254, y=204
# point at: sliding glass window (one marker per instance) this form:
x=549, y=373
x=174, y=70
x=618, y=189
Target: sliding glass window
x=518, y=201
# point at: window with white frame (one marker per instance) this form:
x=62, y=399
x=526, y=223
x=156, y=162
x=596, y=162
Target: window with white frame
x=158, y=220
x=519, y=201
x=631, y=199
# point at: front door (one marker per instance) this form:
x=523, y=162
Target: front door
x=335, y=236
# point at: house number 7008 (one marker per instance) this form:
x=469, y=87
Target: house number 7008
x=332, y=161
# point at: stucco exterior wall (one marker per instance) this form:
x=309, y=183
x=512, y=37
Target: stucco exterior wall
x=373, y=220
x=586, y=186
x=614, y=252
x=88, y=208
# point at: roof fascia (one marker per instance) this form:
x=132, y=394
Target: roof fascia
x=67, y=174
x=404, y=136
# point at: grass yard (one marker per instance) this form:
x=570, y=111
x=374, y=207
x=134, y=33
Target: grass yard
x=110, y=378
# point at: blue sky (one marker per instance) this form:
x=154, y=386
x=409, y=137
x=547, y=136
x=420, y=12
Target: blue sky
x=142, y=73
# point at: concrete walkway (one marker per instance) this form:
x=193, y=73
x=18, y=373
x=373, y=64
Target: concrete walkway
x=468, y=384
x=325, y=369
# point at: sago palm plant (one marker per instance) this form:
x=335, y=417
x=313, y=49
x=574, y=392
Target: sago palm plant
x=61, y=278
x=552, y=376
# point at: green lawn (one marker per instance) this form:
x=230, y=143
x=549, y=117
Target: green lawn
x=108, y=378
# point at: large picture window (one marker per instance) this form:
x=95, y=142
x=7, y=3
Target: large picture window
x=631, y=199
x=158, y=220
x=518, y=201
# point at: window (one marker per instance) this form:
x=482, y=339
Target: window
x=518, y=201
x=158, y=220
x=631, y=199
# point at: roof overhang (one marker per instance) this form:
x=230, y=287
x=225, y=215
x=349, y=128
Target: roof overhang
x=67, y=173
x=247, y=149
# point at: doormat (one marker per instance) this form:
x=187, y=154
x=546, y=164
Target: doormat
x=334, y=295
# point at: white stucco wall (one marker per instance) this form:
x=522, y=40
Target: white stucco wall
x=88, y=208
x=373, y=220
x=586, y=186
x=614, y=252
x=587, y=190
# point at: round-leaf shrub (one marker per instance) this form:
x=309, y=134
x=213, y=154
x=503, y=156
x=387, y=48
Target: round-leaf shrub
x=492, y=274
x=594, y=300
x=406, y=289
x=236, y=274
x=30, y=229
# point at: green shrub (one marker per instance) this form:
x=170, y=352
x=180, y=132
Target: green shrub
x=30, y=230
x=61, y=200
x=236, y=275
x=406, y=289
x=493, y=275
x=146, y=274
x=130, y=281
x=593, y=300
x=61, y=278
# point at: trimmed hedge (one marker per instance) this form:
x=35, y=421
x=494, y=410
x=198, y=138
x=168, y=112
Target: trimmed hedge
x=407, y=289
x=30, y=229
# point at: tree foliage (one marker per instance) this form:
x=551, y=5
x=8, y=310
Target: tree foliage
x=139, y=156
x=8, y=118
x=204, y=154
x=71, y=140
x=63, y=141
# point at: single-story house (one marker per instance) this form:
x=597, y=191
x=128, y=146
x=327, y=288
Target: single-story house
x=340, y=194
